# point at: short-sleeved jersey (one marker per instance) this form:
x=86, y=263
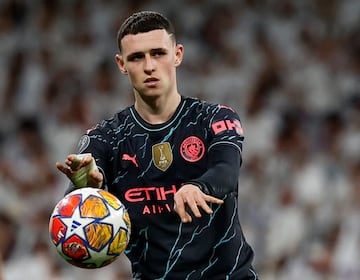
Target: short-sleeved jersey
x=144, y=165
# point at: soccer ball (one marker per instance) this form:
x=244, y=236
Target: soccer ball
x=89, y=228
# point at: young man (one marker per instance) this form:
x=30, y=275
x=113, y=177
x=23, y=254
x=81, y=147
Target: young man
x=173, y=161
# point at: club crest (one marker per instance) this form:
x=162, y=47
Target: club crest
x=162, y=155
x=192, y=149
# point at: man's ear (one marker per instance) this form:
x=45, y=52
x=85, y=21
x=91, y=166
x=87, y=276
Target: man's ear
x=179, y=54
x=120, y=63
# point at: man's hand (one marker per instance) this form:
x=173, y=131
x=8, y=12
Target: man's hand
x=81, y=170
x=190, y=198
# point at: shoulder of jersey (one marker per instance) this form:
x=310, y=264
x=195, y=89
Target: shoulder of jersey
x=201, y=104
x=112, y=122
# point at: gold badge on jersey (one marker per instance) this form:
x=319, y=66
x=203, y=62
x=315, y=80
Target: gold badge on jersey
x=162, y=155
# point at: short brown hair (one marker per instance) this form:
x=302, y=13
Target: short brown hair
x=144, y=21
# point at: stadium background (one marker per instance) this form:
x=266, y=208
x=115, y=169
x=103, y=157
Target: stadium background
x=290, y=68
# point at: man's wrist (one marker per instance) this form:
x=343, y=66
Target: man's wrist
x=200, y=185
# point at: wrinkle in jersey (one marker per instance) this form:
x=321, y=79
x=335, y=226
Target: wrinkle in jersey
x=166, y=137
x=143, y=254
x=121, y=175
x=125, y=135
x=145, y=170
x=99, y=138
x=213, y=112
x=125, y=129
x=176, y=253
x=123, y=126
x=142, y=148
x=226, y=238
x=190, y=274
x=194, y=122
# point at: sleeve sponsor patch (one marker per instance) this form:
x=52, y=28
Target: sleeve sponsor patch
x=227, y=125
x=83, y=143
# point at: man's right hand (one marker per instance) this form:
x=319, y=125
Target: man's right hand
x=190, y=199
x=81, y=169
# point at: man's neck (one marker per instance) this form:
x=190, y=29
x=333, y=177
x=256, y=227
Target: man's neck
x=157, y=110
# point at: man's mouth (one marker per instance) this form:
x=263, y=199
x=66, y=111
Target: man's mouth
x=151, y=81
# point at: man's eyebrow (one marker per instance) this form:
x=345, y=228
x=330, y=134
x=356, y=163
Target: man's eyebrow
x=159, y=50
x=134, y=54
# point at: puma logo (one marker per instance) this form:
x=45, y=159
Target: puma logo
x=130, y=158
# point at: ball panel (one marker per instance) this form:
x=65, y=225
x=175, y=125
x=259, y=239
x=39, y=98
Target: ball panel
x=57, y=230
x=98, y=235
x=94, y=207
x=75, y=248
x=126, y=219
x=111, y=199
x=119, y=242
x=67, y=206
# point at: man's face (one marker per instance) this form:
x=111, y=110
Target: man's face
x=150, y=60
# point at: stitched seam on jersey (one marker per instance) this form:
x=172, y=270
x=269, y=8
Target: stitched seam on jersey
x=227, y=143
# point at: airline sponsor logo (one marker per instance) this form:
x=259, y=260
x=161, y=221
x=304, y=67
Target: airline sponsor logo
x=156, y=200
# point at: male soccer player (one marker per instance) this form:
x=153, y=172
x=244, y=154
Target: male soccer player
x=173, y=161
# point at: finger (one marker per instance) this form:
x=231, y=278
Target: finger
x=213, y=199
x=86, y=160
x=193, y=206
x=95, y=178
x=74, y=164
x=209, y=199
x=204, y=206
x=186, y=218
x=71, y=157
x=179, y=208
x=64, y=169
x=78, y=161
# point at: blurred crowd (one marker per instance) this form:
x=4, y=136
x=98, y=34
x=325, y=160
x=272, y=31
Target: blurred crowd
x=290, y=68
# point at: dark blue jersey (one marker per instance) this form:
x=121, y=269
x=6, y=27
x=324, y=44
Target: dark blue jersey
x=144, y=165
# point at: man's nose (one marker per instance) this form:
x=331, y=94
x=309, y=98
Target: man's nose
x=148, y=64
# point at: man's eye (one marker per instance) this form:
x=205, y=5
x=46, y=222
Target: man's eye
x=136, y=57
x=159, y=53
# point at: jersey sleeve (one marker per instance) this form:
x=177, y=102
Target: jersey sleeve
x=224, y=153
